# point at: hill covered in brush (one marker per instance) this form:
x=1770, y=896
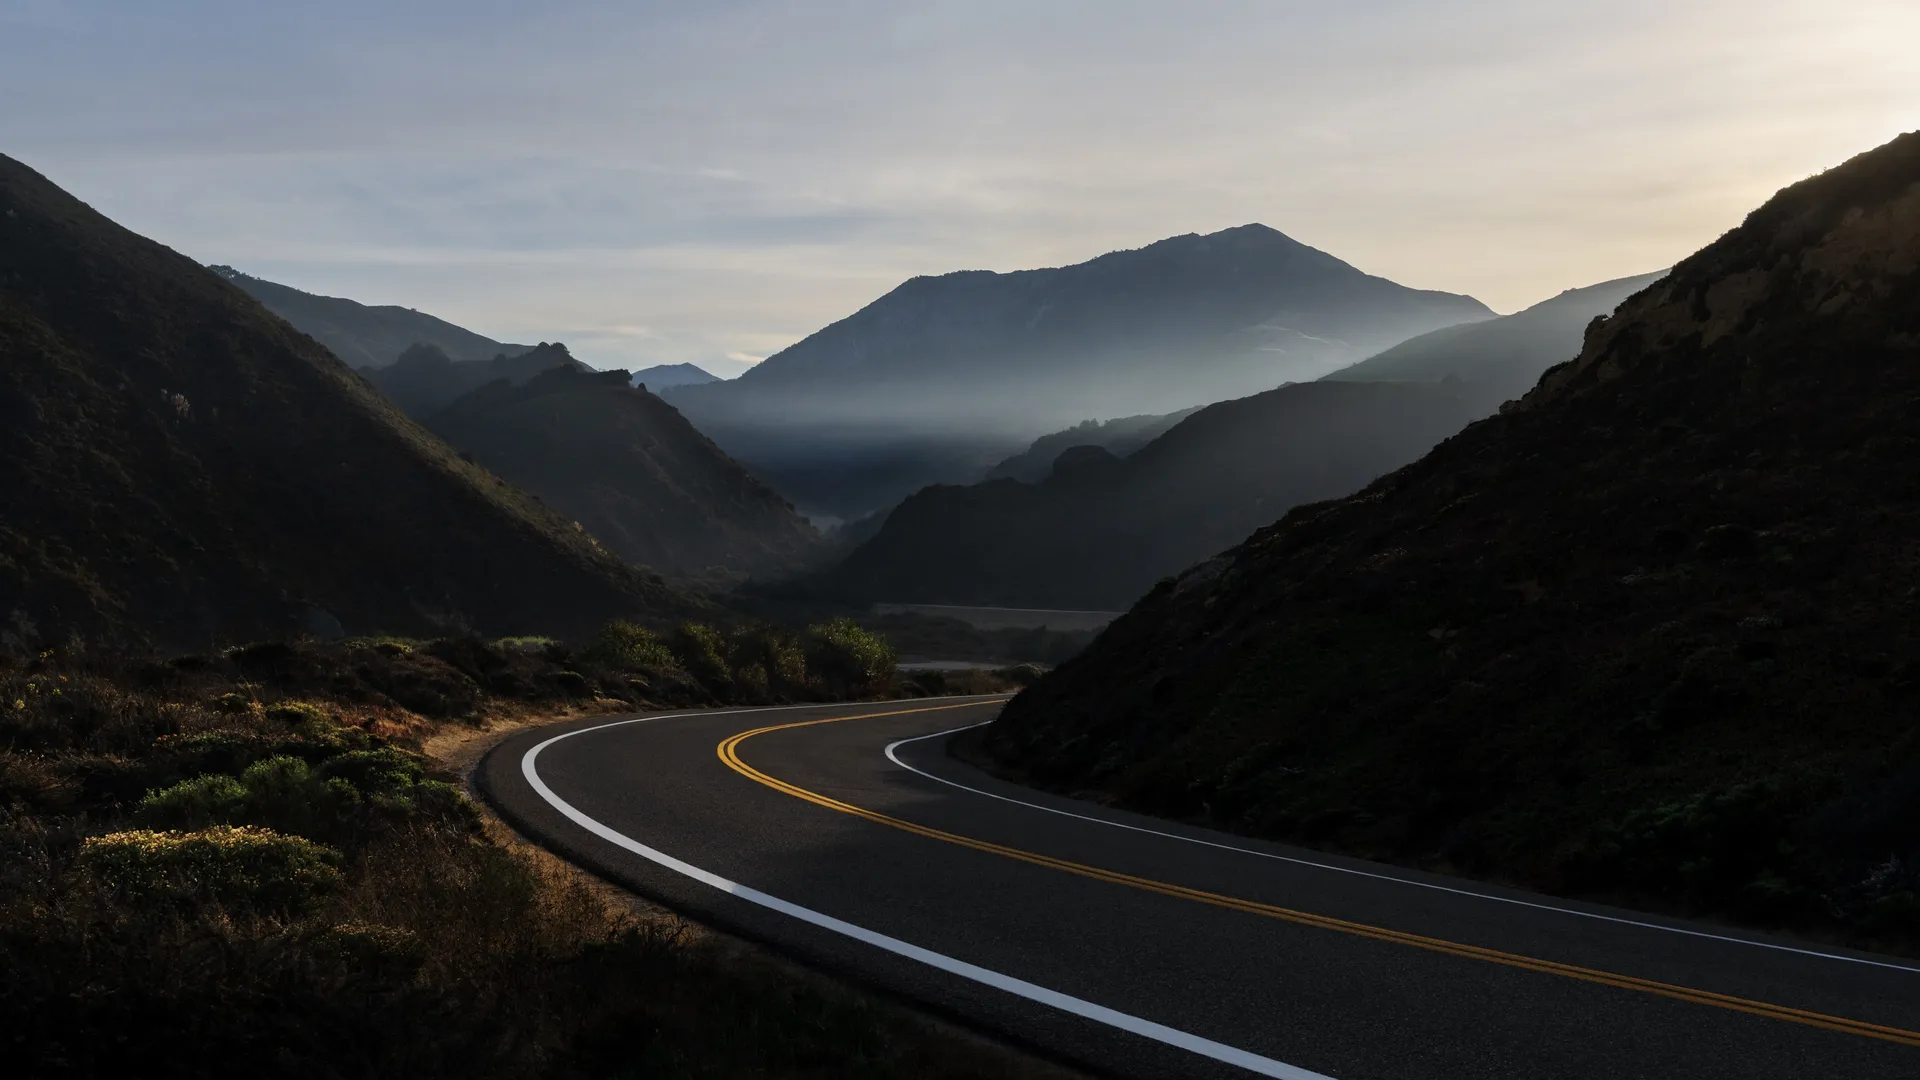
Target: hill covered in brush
x=363, y=335
x=1648, y=634
x=1099, y=530
x=180, y=466
x=630, y=469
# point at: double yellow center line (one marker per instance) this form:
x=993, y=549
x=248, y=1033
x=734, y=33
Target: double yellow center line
x=729, y=751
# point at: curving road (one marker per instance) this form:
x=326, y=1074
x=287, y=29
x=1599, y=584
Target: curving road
x=844, y=835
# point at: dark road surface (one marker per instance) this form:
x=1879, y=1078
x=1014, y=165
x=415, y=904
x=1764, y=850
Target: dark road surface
x=1144, y=948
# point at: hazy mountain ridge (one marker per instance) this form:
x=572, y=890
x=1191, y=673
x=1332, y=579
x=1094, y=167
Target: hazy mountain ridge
x=1099, y=530
x=1499, y=359
x=364, y=335
x=944, y=376
x=661, y=376
x=631, y=470
x=1120, y=436
x=182, y=467
x=1649, y=631
x=425, y=380
x=1211, y=317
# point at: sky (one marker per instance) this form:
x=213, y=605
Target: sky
x=709, y=182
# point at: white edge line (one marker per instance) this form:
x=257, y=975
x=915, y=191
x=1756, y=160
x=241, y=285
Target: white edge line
x=1018, y=987
x=893, y=757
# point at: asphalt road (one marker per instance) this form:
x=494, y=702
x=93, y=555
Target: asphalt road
x=1148, y=949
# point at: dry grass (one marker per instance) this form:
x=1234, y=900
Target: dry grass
x=445, y=947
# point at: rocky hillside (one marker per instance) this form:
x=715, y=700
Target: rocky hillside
x=1649, y=634
x=362, y=335
x=631, y=470
x=1099, y=530
x=179, y=466
x=1499, y=359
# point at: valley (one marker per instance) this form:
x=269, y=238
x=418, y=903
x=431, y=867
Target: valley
x=937, y=598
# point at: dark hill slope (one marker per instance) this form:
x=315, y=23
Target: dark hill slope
x=1499, y=359
x=365, y=335
x=1100, y=530
x=631, y=469
x=426, y=380
x=1654, y=632
x=178, y=466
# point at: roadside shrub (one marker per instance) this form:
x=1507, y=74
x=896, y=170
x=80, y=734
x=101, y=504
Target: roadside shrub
x=1022, y=674
x=766, y=659
x=848, y=659
x=703, y=653
x=625, y=646
x=230, y=865
x=335, y=801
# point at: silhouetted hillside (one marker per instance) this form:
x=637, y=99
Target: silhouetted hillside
x=1499, y=359
x=661, y=376
x=1100, y=530
x=1118, y=437
x=426, y=380
x=1650, y=633
x=630, y=469
x=362, y=335
x=179, y=466
x=944, y=370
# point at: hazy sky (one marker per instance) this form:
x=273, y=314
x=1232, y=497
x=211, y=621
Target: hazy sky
x=662, y=182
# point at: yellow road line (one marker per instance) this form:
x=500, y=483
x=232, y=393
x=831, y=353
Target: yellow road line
x=728, y=751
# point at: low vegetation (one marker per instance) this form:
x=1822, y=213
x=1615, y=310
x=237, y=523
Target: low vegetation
x=242, y=864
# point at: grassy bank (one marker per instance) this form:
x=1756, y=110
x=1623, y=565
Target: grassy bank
x=243, y=864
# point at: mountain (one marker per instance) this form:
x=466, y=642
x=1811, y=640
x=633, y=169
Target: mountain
x=947, y=371
x=361, y=335
x=1650, y=633
x=1118, y=437
x=1099, y=530
x=661, y=376
x=630, y=469
x=1187, y=321
x=1499, y=359
x=425, y=379
x=180, y=467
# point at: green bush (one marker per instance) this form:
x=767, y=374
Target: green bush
x=231, y=865
x=626, y=647
x=702, y=652
x=767, y=659
x=847, y=659
x=195, y=803
x=336, y=800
